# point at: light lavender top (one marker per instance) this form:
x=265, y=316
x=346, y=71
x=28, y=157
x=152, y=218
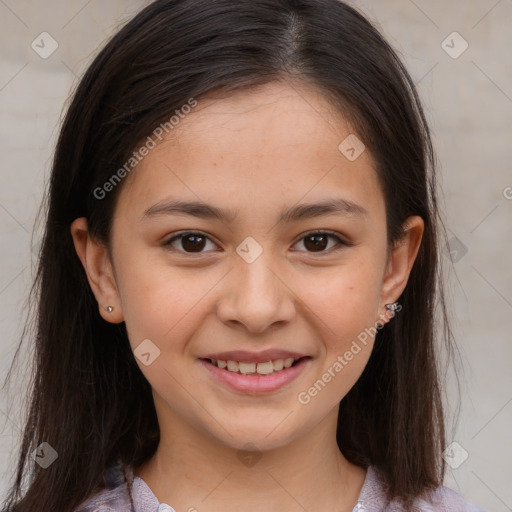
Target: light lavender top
x=127, y=492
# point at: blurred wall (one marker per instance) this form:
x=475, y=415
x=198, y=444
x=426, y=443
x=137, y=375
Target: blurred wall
x=458, y=52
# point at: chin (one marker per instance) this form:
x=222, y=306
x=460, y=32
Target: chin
x=255, y=443
x=257, y=436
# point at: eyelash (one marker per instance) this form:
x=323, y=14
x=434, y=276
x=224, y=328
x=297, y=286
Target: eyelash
x=341, y=243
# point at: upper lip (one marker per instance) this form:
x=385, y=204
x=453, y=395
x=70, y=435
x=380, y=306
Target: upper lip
x=254, y=357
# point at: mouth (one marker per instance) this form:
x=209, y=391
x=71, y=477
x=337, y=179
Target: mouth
x=249, y=376
x=255, y=368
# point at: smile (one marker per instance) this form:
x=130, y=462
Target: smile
x=265, y=368
x=255, y=377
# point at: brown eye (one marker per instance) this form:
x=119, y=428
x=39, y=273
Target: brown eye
x=319, y=241
x=189, y=242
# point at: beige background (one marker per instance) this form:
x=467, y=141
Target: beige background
x=469, y=104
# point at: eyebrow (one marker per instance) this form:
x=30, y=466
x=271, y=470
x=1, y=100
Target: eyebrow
x=294, y=213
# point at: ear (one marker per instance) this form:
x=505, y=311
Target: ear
x=400, y=262
x=98, y=267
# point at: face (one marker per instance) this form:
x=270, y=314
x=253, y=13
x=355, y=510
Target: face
x=257, y=276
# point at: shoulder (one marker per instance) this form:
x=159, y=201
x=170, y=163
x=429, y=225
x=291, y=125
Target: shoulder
x=113, y=497
x=444, y=499
x=373, y=498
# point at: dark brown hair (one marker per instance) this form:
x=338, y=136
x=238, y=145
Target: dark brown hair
x=88, y=398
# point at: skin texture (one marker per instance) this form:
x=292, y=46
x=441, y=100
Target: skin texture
x=256, y=153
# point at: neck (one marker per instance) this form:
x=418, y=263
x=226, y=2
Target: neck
x=192, y=471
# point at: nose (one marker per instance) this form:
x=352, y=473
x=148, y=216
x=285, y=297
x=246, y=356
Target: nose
x=256, y=295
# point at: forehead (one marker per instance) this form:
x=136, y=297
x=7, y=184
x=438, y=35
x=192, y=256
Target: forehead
x=274, y=141
x=293, y=111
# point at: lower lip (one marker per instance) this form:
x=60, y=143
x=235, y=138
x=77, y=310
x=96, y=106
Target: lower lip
x=255, y=384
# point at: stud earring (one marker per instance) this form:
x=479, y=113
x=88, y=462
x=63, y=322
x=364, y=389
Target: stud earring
x=109, y=309
x=392, y=307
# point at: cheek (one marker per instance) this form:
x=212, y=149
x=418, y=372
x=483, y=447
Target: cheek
x=162, y=303
x=163, y=310
x=345, y=299
x=344, y=308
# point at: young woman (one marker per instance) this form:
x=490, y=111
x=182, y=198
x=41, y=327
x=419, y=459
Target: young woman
x=239, y=276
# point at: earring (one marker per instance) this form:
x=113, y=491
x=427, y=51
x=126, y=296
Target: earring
x=109, y=309
x=392, y=307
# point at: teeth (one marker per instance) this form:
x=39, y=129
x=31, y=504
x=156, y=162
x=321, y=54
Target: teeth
x=288, y=362
x=265, y=368
x=232, y=366
x=246, y=367
x=278, y=365
x=251, y=368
